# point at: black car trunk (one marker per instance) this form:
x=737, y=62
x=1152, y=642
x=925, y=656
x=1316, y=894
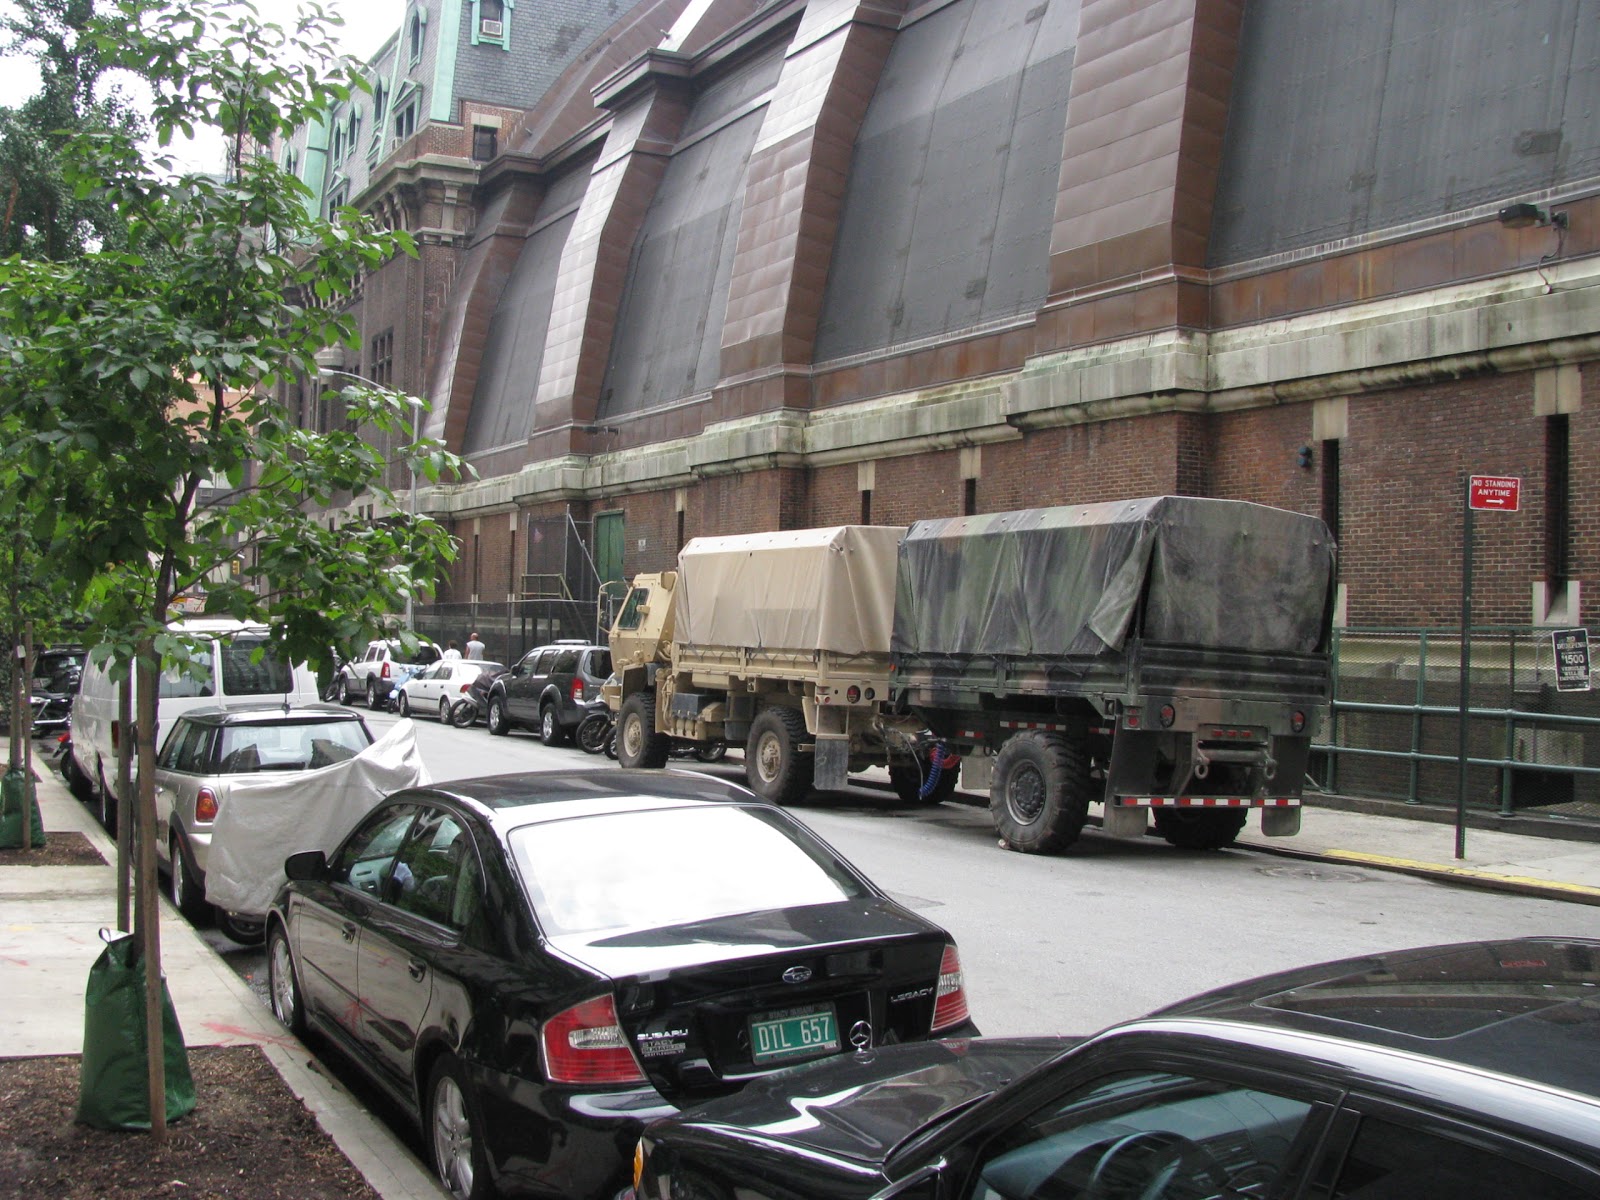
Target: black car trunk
x=711, y=1005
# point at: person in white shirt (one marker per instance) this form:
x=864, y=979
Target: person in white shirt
x=474, y=647
x=452, y=654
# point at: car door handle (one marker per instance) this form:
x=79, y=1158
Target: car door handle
x=417, y=967
x=348, y=930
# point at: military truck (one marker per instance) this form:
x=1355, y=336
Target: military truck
x=778, y=642
x=1169, y=655
x=1165, y=656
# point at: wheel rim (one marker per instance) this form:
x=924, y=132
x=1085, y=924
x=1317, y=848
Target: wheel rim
x=769, y=757
x=632, y=735
x=1025, y=794
x=344, y=691
x=405, y=705
x=180, y=885
x=547, y=725
x=452, y=1138
x=444, y=710
x=496, y=717
x=283, y=999
x=372, y=695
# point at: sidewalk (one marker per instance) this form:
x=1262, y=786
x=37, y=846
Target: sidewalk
x=49, y=938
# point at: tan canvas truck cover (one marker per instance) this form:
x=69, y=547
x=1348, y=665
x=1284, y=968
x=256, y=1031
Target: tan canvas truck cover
x=1067, y=582
x=798, y=591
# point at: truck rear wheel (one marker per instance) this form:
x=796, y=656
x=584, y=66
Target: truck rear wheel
x=1200, y=828
x=638, y=743
x=773, y=764
x=1040, y=797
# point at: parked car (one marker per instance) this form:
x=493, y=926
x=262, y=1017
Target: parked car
x=434, y=690
x=375, y=673
x=53, y=687
x=547, y=689
x=207, y=755
x=1444, y=1073
x=228, y=673
x=535, y=965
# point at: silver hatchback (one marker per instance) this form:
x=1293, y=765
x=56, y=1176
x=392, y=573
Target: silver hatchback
x=210, y=751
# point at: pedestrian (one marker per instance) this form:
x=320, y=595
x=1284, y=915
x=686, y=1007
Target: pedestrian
x=452, y=653
x=474, y=647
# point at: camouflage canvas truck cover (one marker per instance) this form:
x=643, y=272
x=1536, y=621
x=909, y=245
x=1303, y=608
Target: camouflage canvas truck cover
x=775, y=641
x=1167, y=655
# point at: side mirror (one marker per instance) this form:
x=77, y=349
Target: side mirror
x=308, y=866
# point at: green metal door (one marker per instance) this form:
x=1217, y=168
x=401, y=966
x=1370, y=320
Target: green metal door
x=608, y=546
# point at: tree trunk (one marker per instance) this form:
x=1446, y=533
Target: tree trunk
x=124, y=807
x=147, y=898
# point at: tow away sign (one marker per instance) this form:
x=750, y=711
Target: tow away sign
x=1572, y=659
x=1499, y=493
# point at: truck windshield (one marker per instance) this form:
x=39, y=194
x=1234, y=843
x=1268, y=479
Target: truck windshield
x=630, y=615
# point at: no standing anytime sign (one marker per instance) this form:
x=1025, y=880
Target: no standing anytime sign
x=1499, y=493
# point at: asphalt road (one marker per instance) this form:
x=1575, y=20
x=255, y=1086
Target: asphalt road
x=1070, y=943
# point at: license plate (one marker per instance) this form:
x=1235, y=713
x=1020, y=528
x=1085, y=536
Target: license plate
x=777, y=1037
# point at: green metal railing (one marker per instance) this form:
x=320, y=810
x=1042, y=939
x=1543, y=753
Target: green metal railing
x=1509, y=663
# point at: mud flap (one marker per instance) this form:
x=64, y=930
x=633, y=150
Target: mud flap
x=831, y=770
x=1280, y=822
x=1125, y=821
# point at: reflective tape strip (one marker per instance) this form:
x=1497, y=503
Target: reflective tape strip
x=1054, y=728
x=1207, y=802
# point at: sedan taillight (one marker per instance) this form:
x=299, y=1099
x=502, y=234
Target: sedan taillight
x=586, y=1044
x=950, y=1001
x=205, y=805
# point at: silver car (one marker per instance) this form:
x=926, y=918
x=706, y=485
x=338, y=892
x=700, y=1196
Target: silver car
x=207, y=753
x=434, y=690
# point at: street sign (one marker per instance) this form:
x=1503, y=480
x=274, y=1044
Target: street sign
x=1572, y=659
x=1498, y=493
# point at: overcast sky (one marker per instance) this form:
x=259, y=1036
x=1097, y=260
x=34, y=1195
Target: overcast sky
x=367, y=25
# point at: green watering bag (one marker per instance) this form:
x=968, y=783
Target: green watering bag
x=113, y=1091
x=13, y=787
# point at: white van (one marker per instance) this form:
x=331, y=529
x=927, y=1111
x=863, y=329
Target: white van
x=231, y=678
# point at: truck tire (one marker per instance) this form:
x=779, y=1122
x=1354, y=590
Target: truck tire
x=638, y=743
x=773, y=764
x=1040, y=797
x=1200, y=828
x=907, y=777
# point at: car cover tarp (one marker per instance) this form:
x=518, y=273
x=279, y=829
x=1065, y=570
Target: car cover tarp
x=265, y=821
x=802, y=590
x=1067, y=582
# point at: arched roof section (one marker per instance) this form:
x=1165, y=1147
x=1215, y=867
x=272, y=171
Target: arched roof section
x=947, y=216
x=1353, y=116
x=513, y=354
x=668, y=336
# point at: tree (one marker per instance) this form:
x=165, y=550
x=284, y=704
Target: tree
x=138, y=377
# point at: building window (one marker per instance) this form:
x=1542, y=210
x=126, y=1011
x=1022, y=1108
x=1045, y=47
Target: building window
x=969, y=499
x=866, y=506
x=380, y=99
x=1330, y=487
x=491, y=22
x=1557, y=501
x=416, y=36
x=484, y=141
x=338, y=144
x=405, y=122
x=380, y=367
x=337, y=199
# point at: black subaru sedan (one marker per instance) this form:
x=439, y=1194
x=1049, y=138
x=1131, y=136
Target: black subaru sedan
x=536, y=965
x=1467, y=1072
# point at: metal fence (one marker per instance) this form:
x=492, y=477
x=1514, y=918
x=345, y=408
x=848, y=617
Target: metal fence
x=1532, y=749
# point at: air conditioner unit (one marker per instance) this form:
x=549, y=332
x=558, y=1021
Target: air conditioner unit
x=491, y=28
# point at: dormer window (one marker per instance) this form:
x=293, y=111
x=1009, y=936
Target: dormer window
x=379, y=100
x=416, y=36
x=491, y=22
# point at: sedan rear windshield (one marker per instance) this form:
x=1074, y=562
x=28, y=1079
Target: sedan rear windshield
x=675, y=866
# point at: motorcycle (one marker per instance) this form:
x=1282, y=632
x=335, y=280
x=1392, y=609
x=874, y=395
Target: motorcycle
x=597, y=730
x=474, y=702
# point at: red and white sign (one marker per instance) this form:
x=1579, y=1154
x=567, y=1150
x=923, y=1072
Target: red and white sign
x=1502, y=493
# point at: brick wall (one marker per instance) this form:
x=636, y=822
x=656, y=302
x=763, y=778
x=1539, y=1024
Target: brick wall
x=1255, y=456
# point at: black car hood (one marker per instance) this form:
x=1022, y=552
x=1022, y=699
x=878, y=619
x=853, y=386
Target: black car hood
x=861, y=1106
